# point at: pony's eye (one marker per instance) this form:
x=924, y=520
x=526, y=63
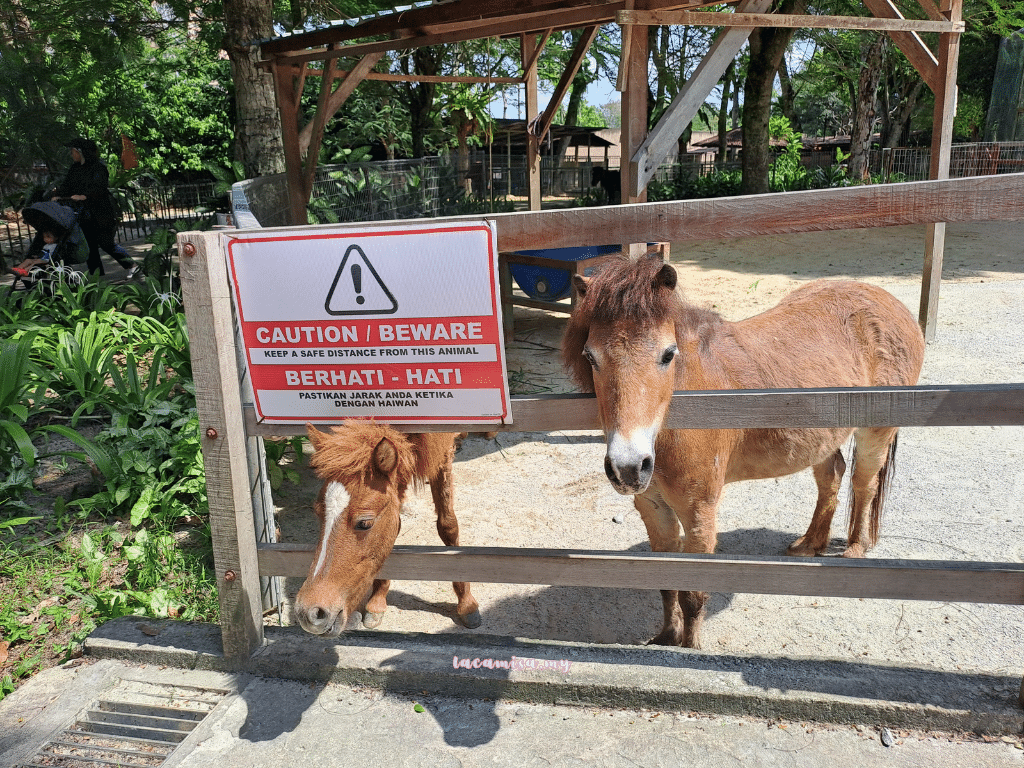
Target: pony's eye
x=590, y=358
x=364, y=524
x=669, y=355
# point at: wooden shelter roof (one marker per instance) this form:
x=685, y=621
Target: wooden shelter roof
x=367, y=40
x=517, y=131
x=446, y=22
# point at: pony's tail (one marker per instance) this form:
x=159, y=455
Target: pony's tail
x=885, y=473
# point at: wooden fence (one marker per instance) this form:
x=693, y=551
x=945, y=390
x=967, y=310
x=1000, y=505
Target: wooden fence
x=233, y=433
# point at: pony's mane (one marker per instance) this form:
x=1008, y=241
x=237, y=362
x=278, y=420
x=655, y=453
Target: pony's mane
x=345, y=453
x=627, y=290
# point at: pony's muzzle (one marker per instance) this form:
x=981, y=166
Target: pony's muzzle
x=629, y=477
x=318, y=620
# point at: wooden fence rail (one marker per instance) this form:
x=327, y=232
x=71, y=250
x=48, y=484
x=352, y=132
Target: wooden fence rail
x=981, y=405
x=964, y=582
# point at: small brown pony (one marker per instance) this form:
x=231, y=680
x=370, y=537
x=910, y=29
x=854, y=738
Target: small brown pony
x=367, y=468
x=632, y=340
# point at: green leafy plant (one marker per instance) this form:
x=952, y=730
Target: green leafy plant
x=22, y=395
x=786, y=172
x=276, y=451
x=223, y=179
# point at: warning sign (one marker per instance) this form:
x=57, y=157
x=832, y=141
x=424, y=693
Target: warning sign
x=396, y=323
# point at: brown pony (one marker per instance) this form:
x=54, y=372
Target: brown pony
x=632, y=341
x=367, y=468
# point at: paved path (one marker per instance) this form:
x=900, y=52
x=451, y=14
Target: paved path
x=261, y=721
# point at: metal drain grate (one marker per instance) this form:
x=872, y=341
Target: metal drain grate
x=135, y=724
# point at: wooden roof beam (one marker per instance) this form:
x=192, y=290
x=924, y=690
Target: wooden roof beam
x=753, y=20
x=569, y=20
x=913, y=47
x=530, y=63
x=684, y=106
x=458, y=15
x=571, y=68
x=329, y=105
x=931, y=10
x=395, y=77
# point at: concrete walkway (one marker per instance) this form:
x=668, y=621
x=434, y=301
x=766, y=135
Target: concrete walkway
x=407, y=719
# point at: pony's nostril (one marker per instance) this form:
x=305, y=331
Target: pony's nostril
x=646, y=466
x=318, y=616
x=609, y=469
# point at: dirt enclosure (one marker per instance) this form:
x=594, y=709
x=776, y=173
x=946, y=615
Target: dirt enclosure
x=956, y=494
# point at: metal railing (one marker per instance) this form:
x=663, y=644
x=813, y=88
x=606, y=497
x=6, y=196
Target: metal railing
x=976, y=159
x=143, y=210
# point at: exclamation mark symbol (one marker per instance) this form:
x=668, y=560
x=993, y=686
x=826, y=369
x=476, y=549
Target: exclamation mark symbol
x=357, y=282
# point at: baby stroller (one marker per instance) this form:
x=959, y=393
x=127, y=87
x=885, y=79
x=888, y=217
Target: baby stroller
x=61, y=221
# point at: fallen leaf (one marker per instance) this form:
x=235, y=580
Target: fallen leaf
x=3, y=651
x=418, y=708
x=146, y=629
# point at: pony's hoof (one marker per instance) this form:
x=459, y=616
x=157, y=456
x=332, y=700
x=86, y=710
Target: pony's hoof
x=472, y=620
x=800, y=548
x=666, y=638
x=855, y=551
x=372, y=620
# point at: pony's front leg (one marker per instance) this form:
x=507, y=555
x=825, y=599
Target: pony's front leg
x=698, y=512
x=448, y=529
x=376, y=604
x=663, y=531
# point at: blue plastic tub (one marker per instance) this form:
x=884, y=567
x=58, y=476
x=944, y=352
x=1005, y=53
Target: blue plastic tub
x=551, y=283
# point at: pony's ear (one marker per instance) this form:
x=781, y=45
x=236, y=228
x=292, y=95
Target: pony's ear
x=580, y=283
x=316, y=437
x=666, y=277
x=385, y=457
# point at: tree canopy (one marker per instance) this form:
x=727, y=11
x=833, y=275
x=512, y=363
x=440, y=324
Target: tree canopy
x=179, y=80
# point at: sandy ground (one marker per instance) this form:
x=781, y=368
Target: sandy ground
x=956, y=494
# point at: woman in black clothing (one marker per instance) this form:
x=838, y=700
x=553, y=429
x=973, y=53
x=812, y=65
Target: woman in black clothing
x=86, y=182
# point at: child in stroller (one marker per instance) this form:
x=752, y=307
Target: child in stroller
x=54, y=246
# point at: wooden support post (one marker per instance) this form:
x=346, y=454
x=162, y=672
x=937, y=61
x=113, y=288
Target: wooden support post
x=942, y=139
x=665, y=135
x=288, y=105
x=528, y=48
x=634, y=124
x=207, y=300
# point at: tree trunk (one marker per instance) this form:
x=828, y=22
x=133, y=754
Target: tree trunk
x=787, y=97
x=465, y=127
x=420, y=96
x=723, y=115
x=572, y=119
x=865, y=109
x=898, y=123
x=258, y=142
x=767, y=46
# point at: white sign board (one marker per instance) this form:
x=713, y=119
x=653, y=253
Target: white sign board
x=398, y=323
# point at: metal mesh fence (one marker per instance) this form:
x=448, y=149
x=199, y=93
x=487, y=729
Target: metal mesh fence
x=980, y=159
x=404, y=189
x=1003, y=121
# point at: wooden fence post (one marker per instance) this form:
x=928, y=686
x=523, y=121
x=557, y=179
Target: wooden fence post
x=207, y=300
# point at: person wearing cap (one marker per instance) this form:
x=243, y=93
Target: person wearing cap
x=87, y=183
